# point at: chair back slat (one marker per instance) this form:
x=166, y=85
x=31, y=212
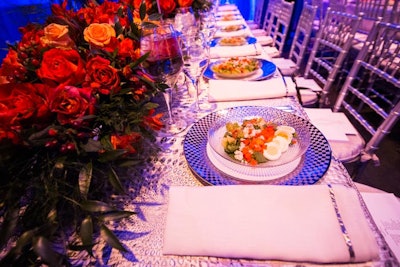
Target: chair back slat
x=258, y=12
x=302, y=35
x=281, y=28
x=371, y=91
x=330, y=49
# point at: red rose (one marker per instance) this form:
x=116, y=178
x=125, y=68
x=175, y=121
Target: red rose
x=61, y=67
x=23, y=103
x=167, y=6
x=101, y=76
x=71, y=103
x=185, y=3
x=128, y=48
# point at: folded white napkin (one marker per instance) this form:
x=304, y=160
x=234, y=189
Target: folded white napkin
x=236, y=51
x=224, y=23
x=228, y=12
x=291, y=223
x=227, y=7
x=236, y=90
x=334, y=125
x=243, y=32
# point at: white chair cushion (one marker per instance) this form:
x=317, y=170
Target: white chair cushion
x=264, y=40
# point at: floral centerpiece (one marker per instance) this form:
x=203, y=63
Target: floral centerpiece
x=75, y=109
x=169, y=7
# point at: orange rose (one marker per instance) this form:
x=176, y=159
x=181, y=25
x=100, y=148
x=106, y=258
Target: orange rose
x=185, y=3
x=56, y=35
x=99, y=34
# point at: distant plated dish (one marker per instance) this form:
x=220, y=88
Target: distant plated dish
x=272, y=116
x=232, y=41
x=236, y=67
x=232, y=28
x=248, y=40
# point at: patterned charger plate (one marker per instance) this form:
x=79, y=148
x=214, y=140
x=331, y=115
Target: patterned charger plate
x=313, y=165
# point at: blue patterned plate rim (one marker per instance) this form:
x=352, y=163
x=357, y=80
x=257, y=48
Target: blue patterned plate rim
x=249, y=39
x=314, y=165
x=267, y=67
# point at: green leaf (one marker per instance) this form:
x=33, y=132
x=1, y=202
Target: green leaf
x=111, y=239
x=115, y=181
x=43, y=249
x=155, y=16
x=92, y=146
x=142, y=10
x=85, y=178
x=24, y=240
x=8, y=226
x=129, y=163
x=86, y=233
x=150, y=105
x=115, y=215
x=96, y=206
x=111, y=155
x=259, y=157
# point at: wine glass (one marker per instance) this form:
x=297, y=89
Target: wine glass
x=208, y=25
x=164, y=64
x=195, y=53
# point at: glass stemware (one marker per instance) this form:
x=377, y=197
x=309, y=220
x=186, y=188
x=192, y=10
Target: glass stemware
x=164, y=64
x=208, y=25
x=195, y=53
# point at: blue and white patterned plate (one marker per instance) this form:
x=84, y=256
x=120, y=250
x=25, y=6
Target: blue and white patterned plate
x=249, y=39
x=312, y=166
x=267, y=69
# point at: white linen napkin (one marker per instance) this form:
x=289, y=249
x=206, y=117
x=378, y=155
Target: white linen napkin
x=236, y=90
x=291, y=223
x=243, y=32
x=235, y=51
x=227, y=7
x=224, y=23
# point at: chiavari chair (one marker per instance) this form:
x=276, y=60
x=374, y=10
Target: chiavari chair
x=258, y=15
x=329, y=51
x=370, y=95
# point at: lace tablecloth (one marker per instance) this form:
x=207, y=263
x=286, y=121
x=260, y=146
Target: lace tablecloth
x=142, y=234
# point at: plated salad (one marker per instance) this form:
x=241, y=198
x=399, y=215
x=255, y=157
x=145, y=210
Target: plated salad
x=256, y=141
x=236, y=67
x=232, y=41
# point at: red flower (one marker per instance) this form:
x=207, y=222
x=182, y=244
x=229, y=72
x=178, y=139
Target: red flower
x=185, y=3
x=167, y=6
x=125, y=141
x=23, y=103
x=128, y=49
x=104, y=13
x=71, y=103
x=61, y=67
x=153, y=121
x=11, y=67
x=101, y=76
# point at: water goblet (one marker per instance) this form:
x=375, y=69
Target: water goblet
x=164, y=64
x=195, y=54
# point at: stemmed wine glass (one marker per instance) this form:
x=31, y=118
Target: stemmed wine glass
x=208, y=25
x=164, y=64
x=195, y=54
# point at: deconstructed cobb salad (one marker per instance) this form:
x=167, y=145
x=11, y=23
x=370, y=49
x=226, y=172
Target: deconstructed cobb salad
x=236, y=66
x=232, y=28
x=232, y=41
x=256, y=141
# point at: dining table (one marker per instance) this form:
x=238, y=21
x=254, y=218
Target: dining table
x=183, y=160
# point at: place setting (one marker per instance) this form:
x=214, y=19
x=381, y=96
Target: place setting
x=216, y=156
